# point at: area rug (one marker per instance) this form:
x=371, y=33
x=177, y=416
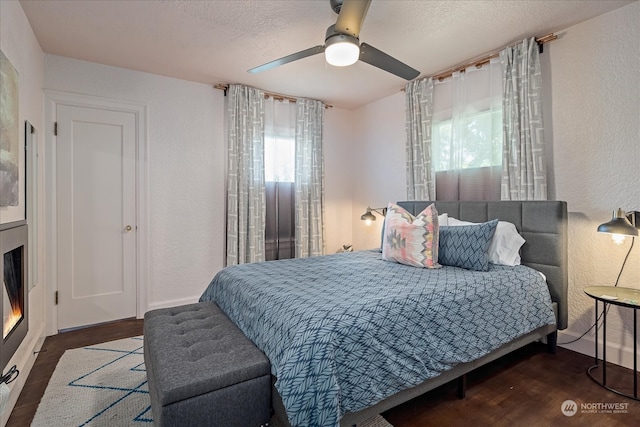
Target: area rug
x=100, y=385
x=106, y=385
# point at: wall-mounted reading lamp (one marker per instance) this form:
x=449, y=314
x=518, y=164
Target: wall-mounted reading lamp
x=621, y=225
x=368, y=216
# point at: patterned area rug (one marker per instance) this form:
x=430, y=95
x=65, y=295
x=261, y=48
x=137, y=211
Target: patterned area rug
x=106, y=385
x=100, y=385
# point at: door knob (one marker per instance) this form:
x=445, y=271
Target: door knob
x=127, y=229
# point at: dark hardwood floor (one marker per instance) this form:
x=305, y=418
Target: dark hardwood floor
x=525, y=388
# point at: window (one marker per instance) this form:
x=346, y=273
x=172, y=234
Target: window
x=466, y=136
x=482, y=133
x=279, y=158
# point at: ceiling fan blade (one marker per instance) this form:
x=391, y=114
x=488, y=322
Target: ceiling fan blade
x=289, y=58
x=351, y=16
x=378, y=58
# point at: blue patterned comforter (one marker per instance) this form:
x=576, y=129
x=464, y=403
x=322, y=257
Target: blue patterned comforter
x=345, y=331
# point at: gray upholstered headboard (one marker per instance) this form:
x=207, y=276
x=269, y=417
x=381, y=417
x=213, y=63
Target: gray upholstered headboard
x=543, y=224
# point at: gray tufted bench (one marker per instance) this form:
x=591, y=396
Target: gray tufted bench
x=203, y=371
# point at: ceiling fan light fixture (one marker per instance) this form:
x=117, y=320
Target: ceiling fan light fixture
x=342, y=44
x=342, y=50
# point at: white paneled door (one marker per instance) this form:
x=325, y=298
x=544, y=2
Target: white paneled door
x=96, y=213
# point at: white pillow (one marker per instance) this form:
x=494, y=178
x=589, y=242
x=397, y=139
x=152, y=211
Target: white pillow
x=505, y=245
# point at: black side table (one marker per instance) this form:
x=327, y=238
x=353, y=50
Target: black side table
x=624, y=297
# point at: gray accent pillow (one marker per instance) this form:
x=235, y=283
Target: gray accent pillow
x=466, y=246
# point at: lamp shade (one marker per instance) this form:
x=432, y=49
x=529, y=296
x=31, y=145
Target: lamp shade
x=619, y=224
x=368, y=216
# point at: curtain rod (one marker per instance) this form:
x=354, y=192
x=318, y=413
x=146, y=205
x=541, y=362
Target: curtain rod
x=278, y=97
x=479, y=62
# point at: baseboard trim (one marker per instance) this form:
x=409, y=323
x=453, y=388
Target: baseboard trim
x=617, y=354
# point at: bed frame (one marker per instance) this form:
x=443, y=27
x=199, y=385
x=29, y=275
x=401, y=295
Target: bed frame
x=543, y=224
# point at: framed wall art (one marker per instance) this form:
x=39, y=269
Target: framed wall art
x=12, y=153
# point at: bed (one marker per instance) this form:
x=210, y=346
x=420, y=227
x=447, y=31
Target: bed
x=350, y=335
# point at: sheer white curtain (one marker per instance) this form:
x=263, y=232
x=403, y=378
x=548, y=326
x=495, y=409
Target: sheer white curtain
x=279, y=147
x=524, y=172
x=467, y=134
x=245, y=179
x=279, y=140
x=419, y=111
x=309, y=179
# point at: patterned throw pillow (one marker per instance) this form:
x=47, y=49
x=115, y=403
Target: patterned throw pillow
x=467, y=246
x=411, y=240
x=505, y=245
x=443, y=219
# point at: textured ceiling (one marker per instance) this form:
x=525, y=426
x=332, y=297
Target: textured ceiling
x=217, y=41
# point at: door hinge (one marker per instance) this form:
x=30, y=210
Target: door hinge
x=56, y=297
x=55, y=128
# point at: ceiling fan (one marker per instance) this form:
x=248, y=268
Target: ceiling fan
x=342, y=46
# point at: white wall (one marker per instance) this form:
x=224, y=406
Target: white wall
x=20, y=46
x=593, y=129
x=338, y=158
x=378, y=164
x=595, y=93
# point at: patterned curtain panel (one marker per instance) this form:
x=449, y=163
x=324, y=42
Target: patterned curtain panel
x=523, y=166
x=419, y=112
x=245, y=181
x=309, y=179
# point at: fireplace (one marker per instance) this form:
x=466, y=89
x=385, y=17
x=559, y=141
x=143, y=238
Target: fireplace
x=14, y=314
